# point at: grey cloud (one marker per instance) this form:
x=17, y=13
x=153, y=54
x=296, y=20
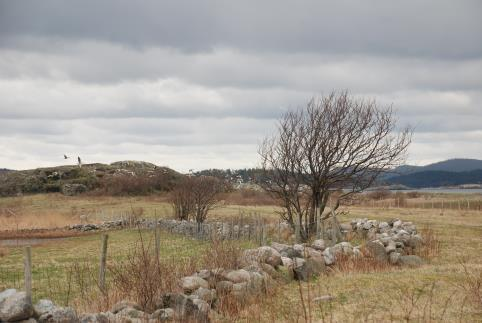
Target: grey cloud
x=436, y=28
x=198, y=84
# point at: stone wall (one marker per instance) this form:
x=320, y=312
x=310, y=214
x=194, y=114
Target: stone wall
x=390, y=242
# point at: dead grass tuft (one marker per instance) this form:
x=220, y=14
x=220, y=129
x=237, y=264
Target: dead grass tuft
x=143, y=278
x=431, y=244
x=3, y=252
x=471, y=284
x=366, y=264
x=222, y=254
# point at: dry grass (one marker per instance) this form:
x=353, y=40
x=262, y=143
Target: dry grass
x=441, y=291
x=3, y=252
x=143, y=278
x=41, y=220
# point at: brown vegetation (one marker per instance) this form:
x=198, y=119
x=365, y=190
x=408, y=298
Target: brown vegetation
x=131, y=184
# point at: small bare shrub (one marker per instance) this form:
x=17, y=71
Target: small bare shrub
x=471, y=284
x=413, y=195
x=195, y=196
x=142, y=277
x=431, y=244
x=222, y=254
x=381, y=194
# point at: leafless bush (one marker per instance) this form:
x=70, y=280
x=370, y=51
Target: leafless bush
x=222, y=254
x=413, y=195
x=471, y=284
x=181, y=199
x=142, y=277
x=380, y=194
x=195, y=196
x=431, y=244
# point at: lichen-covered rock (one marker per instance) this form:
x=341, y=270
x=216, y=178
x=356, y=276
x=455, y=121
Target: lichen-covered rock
x=59, y=315
x=106, y=317
x=191, y=283
x=263, y=254
x=329, y=256
x=14, y=306
x=206, y=294
x=224, y=287
x=377, y=251
x=394, y=258
x=7, y=293
x=124, y=304
x=319, y=245
x=163, y=315
x=43, y=306
x=236, y=276
x=73, y=189
x=240, y=292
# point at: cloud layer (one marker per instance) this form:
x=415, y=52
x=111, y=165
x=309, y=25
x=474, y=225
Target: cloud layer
x=192, y=84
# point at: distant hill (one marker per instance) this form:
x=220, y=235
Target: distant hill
x=436, y=178
x=4, y=170
x=450, y=165
x=124, y=177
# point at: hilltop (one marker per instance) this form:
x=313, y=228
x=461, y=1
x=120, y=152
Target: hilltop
x=122, y=177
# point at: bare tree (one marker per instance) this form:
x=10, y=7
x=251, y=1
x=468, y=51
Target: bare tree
x=336, y=141
x=181, y=199
x=195, y=196
x=205, y=195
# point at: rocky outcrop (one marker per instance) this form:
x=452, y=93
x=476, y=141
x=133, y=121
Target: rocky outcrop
x=73, y=189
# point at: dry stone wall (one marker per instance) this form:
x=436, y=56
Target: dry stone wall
x=390, y=242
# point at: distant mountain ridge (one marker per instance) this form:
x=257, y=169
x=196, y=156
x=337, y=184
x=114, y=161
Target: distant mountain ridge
x=452, y=172
x=449, y=165
x=436, y=178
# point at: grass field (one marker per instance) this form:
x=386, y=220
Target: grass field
x=442, y=290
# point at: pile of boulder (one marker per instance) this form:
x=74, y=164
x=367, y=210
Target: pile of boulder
x=394, y=241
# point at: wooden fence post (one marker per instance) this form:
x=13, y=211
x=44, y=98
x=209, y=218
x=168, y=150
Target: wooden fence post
x=103, y=260
x=157, y=237
x=28, y=273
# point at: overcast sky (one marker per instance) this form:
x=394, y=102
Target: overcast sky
x=198, y=84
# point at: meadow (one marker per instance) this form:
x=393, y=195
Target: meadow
x=447, y=289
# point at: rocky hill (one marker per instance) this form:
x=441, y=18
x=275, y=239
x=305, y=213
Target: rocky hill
x=123, y=177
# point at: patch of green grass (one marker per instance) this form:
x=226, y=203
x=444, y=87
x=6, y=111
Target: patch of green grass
x=54, y=263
